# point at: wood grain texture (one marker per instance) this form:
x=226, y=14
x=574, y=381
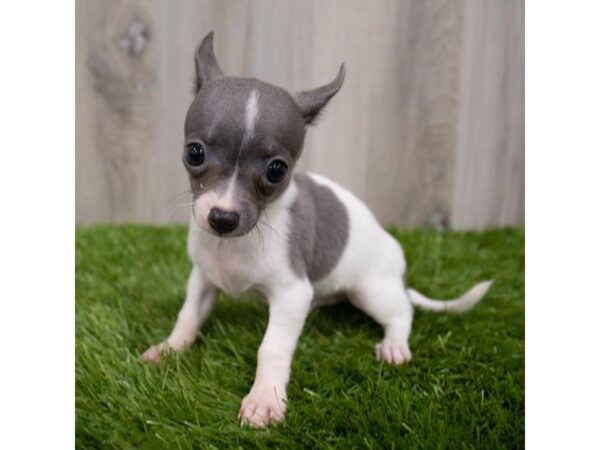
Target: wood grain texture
x=116, y=85
x=428, y=128
x=489, y=174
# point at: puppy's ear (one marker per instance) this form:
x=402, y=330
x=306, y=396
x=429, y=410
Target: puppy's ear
x=207, y=67
x=312, y=102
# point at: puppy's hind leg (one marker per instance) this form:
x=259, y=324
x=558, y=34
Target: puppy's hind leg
x=385, y=300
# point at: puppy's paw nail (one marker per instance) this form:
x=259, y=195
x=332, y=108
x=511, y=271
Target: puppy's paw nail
x=262, y=407
x=154, y=354
x=393, y=352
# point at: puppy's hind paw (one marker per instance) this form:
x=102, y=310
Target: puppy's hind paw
x=393, y=352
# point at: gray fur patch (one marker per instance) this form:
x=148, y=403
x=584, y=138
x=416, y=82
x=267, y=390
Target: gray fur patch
x=319, y=229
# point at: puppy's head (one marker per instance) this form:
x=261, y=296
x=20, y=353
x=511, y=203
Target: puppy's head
x=242, y=140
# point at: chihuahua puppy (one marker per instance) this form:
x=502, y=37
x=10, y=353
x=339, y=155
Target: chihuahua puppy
x=298, y=239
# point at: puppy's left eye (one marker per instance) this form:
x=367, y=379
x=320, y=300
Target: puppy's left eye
x=194, y=154
x=276, y=171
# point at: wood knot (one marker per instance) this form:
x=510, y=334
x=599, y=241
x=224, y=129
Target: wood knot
x=438, y=220
x=134, y=39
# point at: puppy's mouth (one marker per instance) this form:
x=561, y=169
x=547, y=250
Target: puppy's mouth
x=230, y=235
x=227, y=235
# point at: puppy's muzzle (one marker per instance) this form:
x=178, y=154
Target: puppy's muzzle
x=223, y=221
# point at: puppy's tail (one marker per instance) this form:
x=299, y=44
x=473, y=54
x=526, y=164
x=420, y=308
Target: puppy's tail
x=458, y=305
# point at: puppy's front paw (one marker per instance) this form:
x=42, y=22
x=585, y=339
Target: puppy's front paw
x=263, y=405
x=393, y=352
x=154, y=353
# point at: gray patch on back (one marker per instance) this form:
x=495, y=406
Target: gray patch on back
x=319, y=229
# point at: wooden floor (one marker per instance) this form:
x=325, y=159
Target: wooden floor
x=428, y=128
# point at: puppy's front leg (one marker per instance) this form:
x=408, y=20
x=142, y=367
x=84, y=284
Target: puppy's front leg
x=267, y=399
x=198, y=304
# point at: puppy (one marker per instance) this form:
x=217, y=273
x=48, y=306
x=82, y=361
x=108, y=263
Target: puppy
x=292, y=237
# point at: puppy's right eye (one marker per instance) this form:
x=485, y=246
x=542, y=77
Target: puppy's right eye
x=194, y=154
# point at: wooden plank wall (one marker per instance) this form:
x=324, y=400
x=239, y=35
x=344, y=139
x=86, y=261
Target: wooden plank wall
x=428, y=128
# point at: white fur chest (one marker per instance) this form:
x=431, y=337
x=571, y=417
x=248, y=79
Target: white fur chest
x=233, y=265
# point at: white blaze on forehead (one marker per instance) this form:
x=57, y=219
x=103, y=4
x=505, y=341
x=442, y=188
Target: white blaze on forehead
x=228, y=202
x=251, y=114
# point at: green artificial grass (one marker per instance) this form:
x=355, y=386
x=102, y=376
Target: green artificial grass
x=463, y=389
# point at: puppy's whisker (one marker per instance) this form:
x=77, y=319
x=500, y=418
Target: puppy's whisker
x=181, y=206
x=185, y=208
x=270, y=227
x=179, y=196
x=259, y=236
x=267, y=224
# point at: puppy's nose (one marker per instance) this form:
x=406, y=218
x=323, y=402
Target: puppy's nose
x=223, y=221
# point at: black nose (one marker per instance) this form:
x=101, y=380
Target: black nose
x=223, y=221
